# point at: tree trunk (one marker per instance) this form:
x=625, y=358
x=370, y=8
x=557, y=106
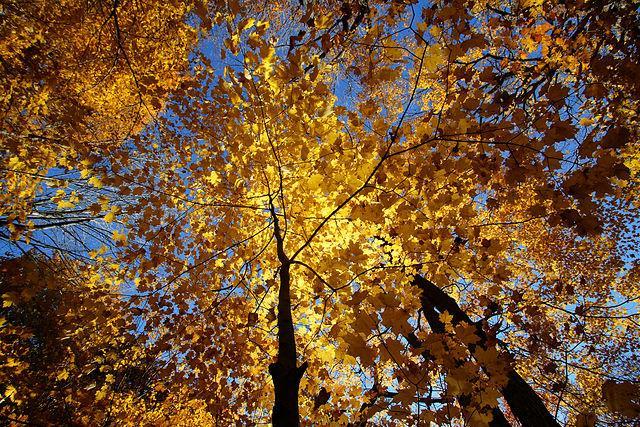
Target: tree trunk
x=525, y=404
x=523, y=401
x=284, y=372
x=437, y=326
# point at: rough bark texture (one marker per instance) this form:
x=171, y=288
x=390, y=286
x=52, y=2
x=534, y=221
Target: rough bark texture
x=523, y=401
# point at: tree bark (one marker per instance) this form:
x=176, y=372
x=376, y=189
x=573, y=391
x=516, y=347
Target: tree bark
x=437, y=326
x=284, y=371
x=523, y=401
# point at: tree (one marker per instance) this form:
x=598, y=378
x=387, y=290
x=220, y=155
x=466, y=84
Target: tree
x=78, y=78
x=353, y=212
x=67, y=343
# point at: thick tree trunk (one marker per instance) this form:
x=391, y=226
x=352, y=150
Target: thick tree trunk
x=525, y=404
x=437, y=326
x=284, y=372
x=523, y=401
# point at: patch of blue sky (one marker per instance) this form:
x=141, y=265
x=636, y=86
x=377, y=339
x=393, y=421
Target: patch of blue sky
x=74, y=231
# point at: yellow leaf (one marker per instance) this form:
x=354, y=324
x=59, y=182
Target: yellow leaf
x=95, y=181
x=113, y=211
x=586, y=121
x=435, y=57
x=10, y=392
x=9, y=299
x=109, y=217
x=102, y=393
x=463, y=125
x=246, y=24
x=314, y=181
x=65, y=204
x=446, y=318
x=532, y=3
x=213, y=178
x=324, y=21
x=119, y=237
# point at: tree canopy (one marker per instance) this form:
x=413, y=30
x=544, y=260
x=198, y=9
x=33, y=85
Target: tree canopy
x=357, y=212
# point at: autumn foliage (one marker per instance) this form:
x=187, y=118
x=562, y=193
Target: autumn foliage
x=319, y=213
